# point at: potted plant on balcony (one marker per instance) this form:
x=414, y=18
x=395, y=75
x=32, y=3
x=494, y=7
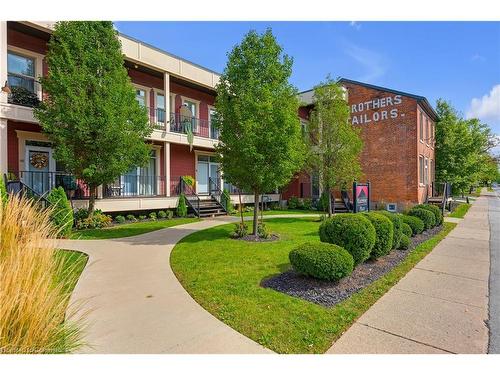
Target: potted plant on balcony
x=22, y=96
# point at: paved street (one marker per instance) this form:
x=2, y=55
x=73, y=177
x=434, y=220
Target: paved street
x=494, y=322
x=440, y=306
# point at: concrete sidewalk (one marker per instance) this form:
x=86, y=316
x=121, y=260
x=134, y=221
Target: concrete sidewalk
x=440, y=306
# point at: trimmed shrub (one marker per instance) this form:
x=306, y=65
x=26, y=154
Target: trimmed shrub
x=181, y=206
x=152, y=216
x=416, y=224
x=162, y=215
x=322, y=261
x=170, y=214
x=385, y=232
x=353, y=232
x=307, y=204
x=293, y=203
x=406, y=229
x=142, y=217
x=434, y=209
x=96, y=221
x=131, y=217
x=425, y=215
x=120, y=219
x=405, y=242
x=62, y=213
x=397, y=224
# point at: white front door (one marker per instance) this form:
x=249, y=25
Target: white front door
x=39, y=171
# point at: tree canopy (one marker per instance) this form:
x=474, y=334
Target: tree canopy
x=90, y=113
x=462, y=148
x=261, y=146
x=334, y=143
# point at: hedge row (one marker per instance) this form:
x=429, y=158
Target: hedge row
x=350, y=239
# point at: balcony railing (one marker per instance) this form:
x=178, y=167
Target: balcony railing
x=158, y=118
x=25, y=94
x=135, y=186
x=43, y=182
x=182, y=124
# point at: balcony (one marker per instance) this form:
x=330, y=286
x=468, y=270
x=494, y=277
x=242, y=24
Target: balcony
x=132, y=186
x=199, y=127
x=157, y=118
x=24, y=92
x=43, y=182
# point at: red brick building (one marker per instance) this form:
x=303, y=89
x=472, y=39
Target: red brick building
x=397, y=129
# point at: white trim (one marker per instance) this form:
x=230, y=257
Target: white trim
x=166, y=147
x=146, y=94
x=38, y=65
x=196, y=153
x=22, y=137
x=161, y=92
x=210, y=108
x=196, y=102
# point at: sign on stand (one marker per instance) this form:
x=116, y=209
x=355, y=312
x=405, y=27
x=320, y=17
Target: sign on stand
x=361, y=194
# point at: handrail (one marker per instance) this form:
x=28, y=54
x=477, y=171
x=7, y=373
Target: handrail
x=346, y=199
x=193, y=200
x=216, y=192
x=18, y=187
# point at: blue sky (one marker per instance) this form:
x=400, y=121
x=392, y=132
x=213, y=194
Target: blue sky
x=457, y=61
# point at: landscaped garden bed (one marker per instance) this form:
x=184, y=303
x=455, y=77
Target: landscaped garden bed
x=225, y=277
x=328, y=293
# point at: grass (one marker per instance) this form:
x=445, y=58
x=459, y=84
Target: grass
x=36, y=282
x=224, y=276
x=460, y=211
x=127, y=230
x=282, y=212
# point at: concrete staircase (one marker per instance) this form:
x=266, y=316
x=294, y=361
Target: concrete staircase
x=210, y=208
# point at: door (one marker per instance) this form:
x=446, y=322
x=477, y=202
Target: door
x=39, y=164
x=202, y=174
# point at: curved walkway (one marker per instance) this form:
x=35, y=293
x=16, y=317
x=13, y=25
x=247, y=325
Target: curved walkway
x=135, y=304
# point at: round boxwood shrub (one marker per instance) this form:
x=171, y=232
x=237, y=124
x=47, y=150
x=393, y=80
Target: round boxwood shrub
x=353, y=232
x=397, y=226
x=416, y=224
x=162, y=214
x=120, y=219
x=434, y=209
x=322, y=261
x=384, y=233
x=406, y=229
x=425, y=215
x=405, y=242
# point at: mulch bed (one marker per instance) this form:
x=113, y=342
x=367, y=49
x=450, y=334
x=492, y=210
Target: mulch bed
x=253, y=238
x=329, y=293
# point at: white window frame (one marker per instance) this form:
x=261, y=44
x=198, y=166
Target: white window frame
x=421, y=126
x=38, y=58
x=421, y=166
x=426, y=171
x=210, y=108
x=195, y=102
x=156, y=93
x=146, y=94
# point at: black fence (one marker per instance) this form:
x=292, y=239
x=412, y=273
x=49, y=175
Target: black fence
x=136, y=186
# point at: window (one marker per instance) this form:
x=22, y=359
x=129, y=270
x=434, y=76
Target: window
x=303, y=127
x=214, y=131
x=21, y=71
x=421, y=127
x=431, y=171
x=192, y=107
x=160, y=108
x=426, y=172
x=421, y=169
x=140, y=96
x=427, y=131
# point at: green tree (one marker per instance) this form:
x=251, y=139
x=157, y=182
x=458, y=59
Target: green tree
x=334, y=143
x=462, y=148
x=261, y=145
x=90, y=113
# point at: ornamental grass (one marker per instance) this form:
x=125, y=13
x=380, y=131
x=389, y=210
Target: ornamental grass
x=34, y=293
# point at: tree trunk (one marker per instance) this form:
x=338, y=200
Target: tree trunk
x=329, y=202
x=92, y=191
x=255, y=212
x=240, y=207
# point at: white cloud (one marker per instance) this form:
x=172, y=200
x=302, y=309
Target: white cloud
x=478, y=57
x=355, y=24
x=375, y=64
x=486, y=108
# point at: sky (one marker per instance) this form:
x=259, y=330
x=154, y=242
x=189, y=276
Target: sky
x=456, y=61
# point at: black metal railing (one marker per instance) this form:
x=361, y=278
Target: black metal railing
x=17, y=187
x=24, y=91
x=135, y=186
x=43, y=182
x=347, y=201
x=214, y=131
x=182, y=124
x=192, y=199
x=158, y=118
x=216, y=193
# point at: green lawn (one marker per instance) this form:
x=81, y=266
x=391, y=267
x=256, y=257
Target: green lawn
x=127, y=230
x=461, y=210
x=71, y=266
x=282, y=212
x=224, y=276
